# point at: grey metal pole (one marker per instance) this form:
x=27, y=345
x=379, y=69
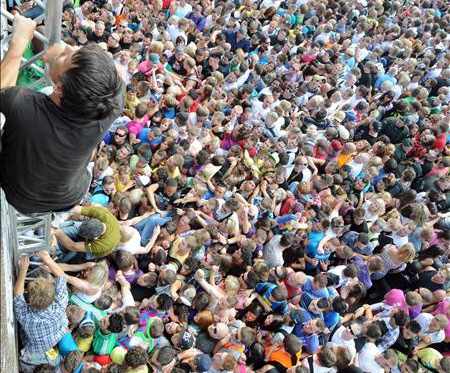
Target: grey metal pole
x=53, y=18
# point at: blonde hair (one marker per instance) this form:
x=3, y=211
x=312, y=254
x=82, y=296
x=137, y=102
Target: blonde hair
x=156, y=47
x=406, y=253
x=135, y=195
x=41, y=293
x=232, y=284
x=125, y=234
x=98, y=274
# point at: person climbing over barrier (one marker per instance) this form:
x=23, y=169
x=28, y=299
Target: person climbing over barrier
x=48, y=141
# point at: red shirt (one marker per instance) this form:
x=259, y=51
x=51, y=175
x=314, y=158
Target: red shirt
x=440, y=141
x=287, y=205
x=166, y=4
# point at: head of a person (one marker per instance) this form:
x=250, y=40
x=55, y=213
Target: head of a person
x=124, y=260
x=98, y=274
x=113, y=323
x=120, y=136
x=202, y=363
x=91, y=229
x=136, y=357
x=373, y=331
x=438, y=323
x=170, y=187
x=411, y=329
x=410, y=366
x=314, y=326
x=218, y=330
x=41, y=293
x=320, y=281
x=163, y=356
x=86, y=81
x=72, y=361
x=327, y=357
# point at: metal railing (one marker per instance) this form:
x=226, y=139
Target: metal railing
x=9, y=349
x=20, y=234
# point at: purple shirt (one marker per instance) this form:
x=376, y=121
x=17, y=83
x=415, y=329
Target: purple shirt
x=130, y=277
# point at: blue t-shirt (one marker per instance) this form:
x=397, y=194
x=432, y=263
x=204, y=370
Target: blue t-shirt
x=265, y=290
x=309, y=341
x=315, y=293
x=143, y=136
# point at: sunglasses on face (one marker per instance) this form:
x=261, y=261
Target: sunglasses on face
x=120, y=134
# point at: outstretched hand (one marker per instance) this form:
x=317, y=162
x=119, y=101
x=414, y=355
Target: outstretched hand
x=24, y=263
x=23, y=28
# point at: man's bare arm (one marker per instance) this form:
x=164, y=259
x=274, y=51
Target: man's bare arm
x=22, y=35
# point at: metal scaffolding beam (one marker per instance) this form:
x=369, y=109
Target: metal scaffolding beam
x=20, y=234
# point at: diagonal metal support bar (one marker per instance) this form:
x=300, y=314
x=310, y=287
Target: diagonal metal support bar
x=32, y=60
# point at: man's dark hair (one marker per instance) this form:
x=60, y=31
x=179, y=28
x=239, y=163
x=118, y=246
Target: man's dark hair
x=286, y=240
x=166, y=355
x=135, y=357
x=323, y=303
x=373, y=331
x=401, y=318
x=90, y=229
x=172, y=183
x=92, y=86
x=164, y=302
x=279, y=293
x=104, y=302
x=116, y=323
x=327, y=357
x=414, y=326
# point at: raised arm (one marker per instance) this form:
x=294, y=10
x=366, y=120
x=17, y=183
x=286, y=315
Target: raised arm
x=51, y=264
x=68, y=243
x=24, y=263
x=151, y=243
x=22, y=35
x=212, y=290
x=150, y=193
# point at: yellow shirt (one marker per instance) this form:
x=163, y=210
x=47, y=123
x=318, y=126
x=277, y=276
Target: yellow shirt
x=84, y=344
x=343, y=159
x=121, y=187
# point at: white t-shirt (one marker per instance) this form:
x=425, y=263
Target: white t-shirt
x=338, y=340
x=424, y=320
x=366, y=358
x=133, y=244
x=338, y=271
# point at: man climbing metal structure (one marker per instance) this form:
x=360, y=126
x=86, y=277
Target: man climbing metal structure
x=47, y=141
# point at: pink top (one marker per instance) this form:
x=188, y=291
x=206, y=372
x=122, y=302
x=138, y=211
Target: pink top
x=442, y=308
x=396, y=298
x=135, y=126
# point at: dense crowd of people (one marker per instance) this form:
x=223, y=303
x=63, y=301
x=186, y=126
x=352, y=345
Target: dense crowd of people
x=274, y=198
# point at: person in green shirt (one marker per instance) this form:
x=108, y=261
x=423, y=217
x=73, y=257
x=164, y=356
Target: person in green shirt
x=433, y=359
x=106, y=336
x=95, y=238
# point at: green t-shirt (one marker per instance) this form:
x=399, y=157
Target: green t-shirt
x=103, y=344
x=429, y=357
x=106, y=243
x=29, y=75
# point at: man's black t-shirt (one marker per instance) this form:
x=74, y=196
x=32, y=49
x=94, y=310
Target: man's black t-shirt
x=45, y=151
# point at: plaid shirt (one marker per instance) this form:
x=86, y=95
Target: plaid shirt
x=43, y=328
